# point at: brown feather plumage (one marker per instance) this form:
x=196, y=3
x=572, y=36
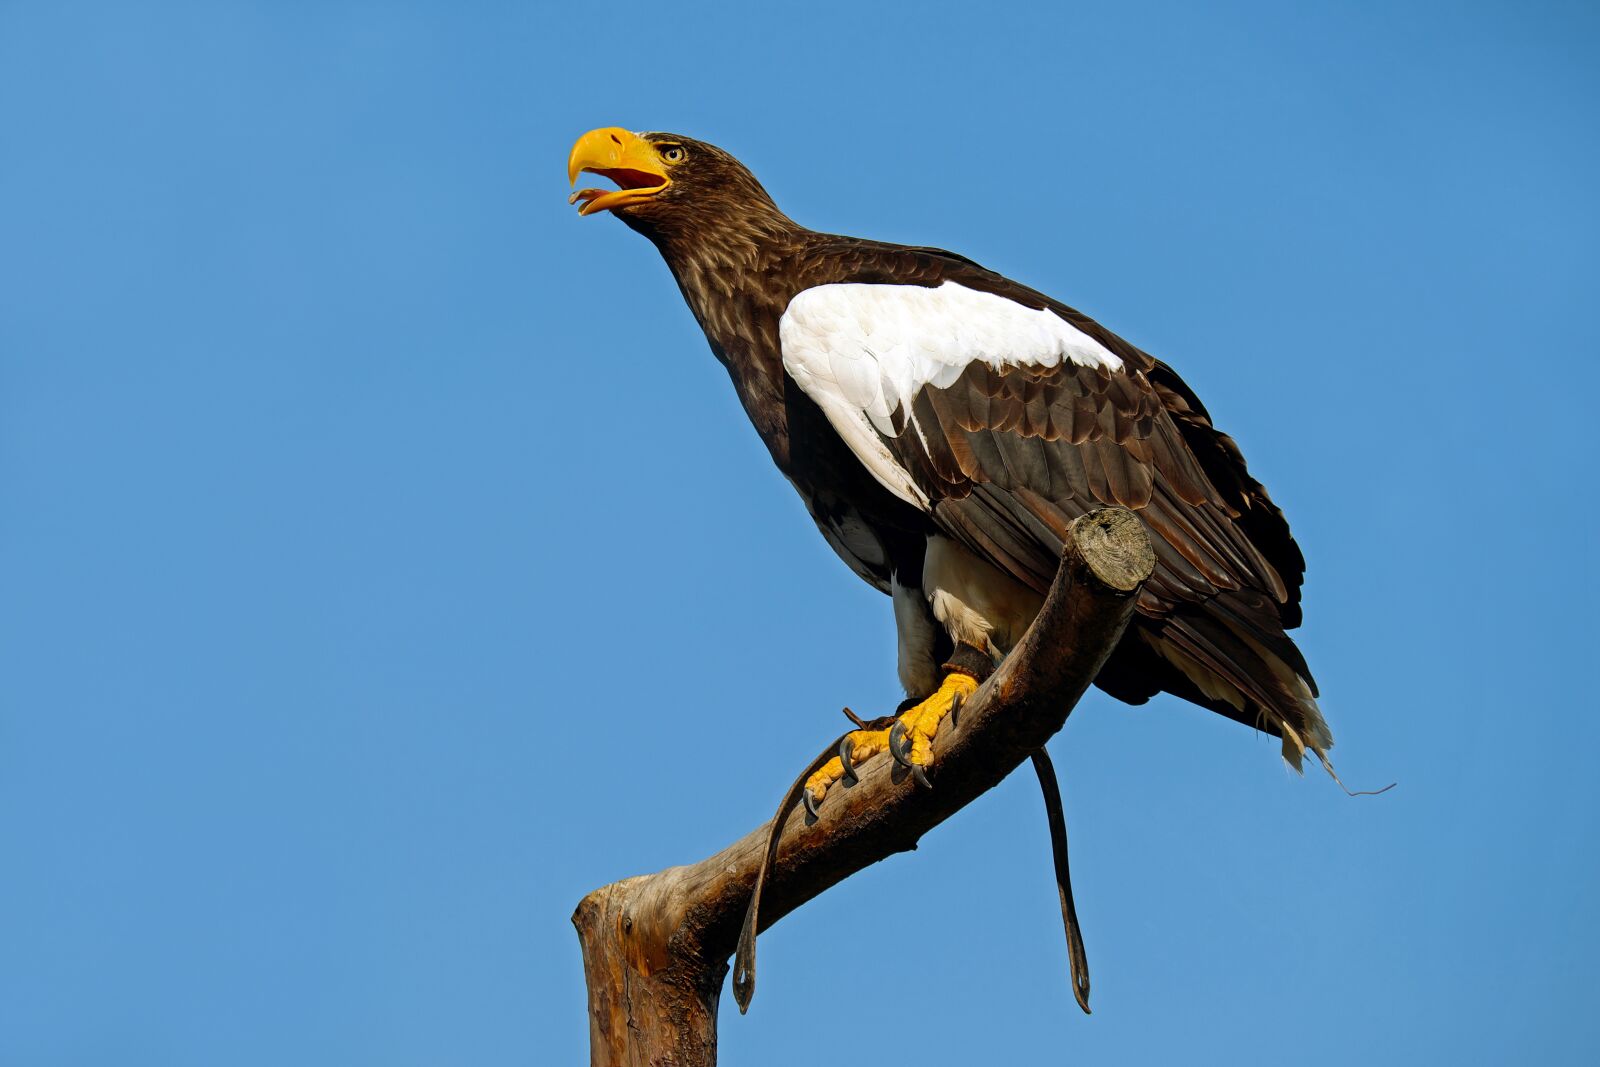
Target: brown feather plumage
x=1008, y=458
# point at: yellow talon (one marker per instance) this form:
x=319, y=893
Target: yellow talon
x=864, y=744
x=921, y=723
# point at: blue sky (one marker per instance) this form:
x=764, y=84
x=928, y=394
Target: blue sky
x=382, y=551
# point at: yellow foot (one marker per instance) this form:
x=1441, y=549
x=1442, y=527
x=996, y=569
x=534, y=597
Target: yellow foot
x=909, y=740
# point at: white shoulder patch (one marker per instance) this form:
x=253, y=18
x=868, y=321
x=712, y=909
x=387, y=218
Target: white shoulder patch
x=863, y=351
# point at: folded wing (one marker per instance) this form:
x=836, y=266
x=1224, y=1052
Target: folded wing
x=1004, y=416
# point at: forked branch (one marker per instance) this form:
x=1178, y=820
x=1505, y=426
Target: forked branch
x=656, y=947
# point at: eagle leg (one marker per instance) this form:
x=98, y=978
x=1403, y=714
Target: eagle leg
x=909, y=739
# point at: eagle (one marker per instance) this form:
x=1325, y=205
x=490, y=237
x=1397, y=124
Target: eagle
x=944, y=425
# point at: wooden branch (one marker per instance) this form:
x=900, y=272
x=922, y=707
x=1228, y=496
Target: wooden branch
x=656, y=947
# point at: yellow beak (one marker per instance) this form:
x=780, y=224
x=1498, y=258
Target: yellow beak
x=627, y=159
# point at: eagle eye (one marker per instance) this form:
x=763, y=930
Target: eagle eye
x=674, y=154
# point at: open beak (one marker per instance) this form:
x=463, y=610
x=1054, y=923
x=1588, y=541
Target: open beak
x=625, y=158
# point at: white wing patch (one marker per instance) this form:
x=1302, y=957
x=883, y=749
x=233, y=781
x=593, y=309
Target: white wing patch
x=863, y=351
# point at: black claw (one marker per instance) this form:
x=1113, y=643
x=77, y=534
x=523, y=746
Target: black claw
x=955, y=710
x=921, y=776
x=846, y=748
x=897, y=744
x=810, y=802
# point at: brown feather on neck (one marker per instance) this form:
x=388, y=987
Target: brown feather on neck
x=731, y=251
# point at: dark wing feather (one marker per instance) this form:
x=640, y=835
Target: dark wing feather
x=1008, y=457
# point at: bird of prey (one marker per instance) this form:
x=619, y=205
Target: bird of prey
x=944, y=424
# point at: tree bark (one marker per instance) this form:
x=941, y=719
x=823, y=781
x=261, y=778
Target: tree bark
x=656, y=947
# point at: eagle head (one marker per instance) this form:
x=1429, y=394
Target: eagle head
x=662, y=177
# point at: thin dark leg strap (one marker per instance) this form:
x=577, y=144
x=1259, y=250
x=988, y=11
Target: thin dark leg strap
x=1076, y=955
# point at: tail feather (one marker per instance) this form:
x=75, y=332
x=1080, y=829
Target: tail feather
x=1225, y=656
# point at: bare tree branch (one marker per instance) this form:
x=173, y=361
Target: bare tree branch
x=656, y=947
